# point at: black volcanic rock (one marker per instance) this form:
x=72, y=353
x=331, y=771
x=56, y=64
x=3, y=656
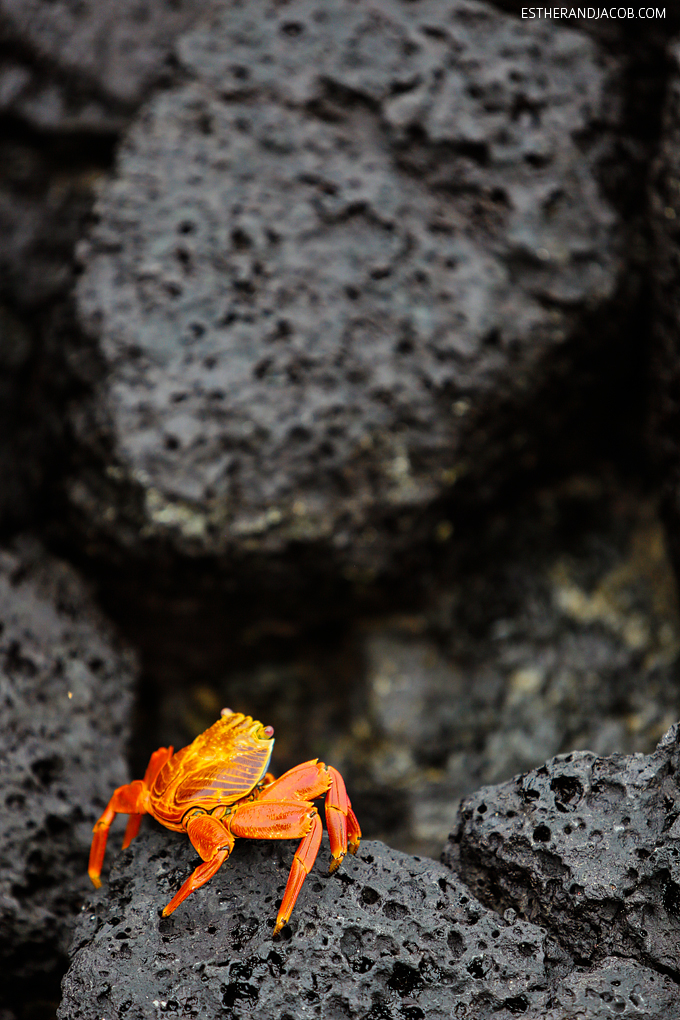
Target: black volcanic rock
x=71, y=75
x=387, y=937
x=65, y=690
x=617, y=988
x=588, y=847
x=330, y=254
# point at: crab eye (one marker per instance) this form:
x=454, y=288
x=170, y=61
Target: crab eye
x=268, y=731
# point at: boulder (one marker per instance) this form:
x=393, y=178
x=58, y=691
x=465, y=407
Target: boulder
x=71, y=74
x=66, y=694
x=588, y=847
x=335, y=258
x=387, y=937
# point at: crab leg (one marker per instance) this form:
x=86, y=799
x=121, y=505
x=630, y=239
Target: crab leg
x=130, y=799
x=304, y=782
x=304, y=858
x=126, y=800
x=283, y=820
x=341, y=821
x=156, y=763
x=311, y=780
x=214, y=844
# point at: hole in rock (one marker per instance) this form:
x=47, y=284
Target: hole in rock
x=542, y=834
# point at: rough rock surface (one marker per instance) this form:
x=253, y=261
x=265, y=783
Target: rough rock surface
x=665, y=206
x=388, y=936
x=84, y=66
x=616, y=988
x=347, y=236
x=71, y=74
x=589, y=847
x=66, y=692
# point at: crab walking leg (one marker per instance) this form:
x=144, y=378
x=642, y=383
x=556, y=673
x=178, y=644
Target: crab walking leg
x=353, y=831
x=304, y=858
x=126, y=800
x=341, y=821
x=130, y=799
x=283, y=820
x=214, y=844
x=131, y=829
x=156, y=763
x=310, y=780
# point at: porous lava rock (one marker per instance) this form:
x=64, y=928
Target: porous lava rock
x=387, y=937
x=344, y=240
x=587, y=846
x=66, y=691
x=616, y=988
x=83, y=67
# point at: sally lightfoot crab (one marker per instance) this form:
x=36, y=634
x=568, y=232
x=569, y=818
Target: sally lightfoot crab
x=218, y=789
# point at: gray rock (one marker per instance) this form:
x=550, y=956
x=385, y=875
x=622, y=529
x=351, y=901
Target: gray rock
x=66, y=691
x=588, y=846
x=84, y=66
x=388, y=937
x=327, y=257
x=616, y=988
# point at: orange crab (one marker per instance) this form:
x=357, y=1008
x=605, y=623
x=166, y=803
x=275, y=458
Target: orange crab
x=218, y=788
